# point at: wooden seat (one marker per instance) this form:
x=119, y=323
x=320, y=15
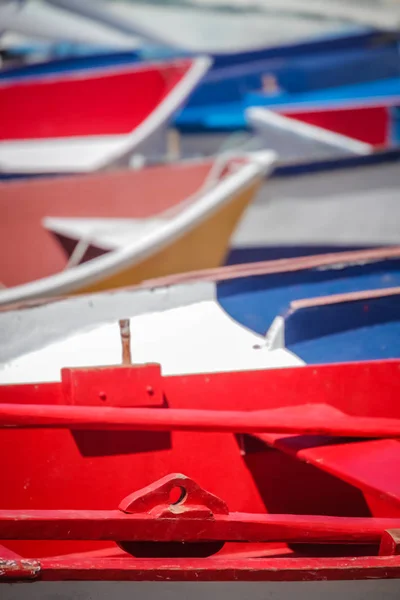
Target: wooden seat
x=370, y=465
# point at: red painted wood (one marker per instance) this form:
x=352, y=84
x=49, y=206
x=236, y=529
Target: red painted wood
x=43, y=393
x=215, y=569
x=197, y=516
x=364, y=123
x=88, y=470
x=218, y=569
x=18, y=569
x=7, y=554
x=240, y=527
x=365, y=389
x=104, y=102
x=390, y=543
x=372, y=466
x=368, y=389
x=127, y=386
x=311, y=419
x=158, y=494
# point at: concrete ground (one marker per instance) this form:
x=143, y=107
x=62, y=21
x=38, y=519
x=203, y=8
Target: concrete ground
x=357, y=207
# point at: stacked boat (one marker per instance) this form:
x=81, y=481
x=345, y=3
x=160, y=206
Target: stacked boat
x=171, y=425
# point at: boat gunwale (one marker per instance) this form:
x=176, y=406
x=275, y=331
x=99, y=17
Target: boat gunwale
x=210, y=569
x=282, y=265
x=211, y=200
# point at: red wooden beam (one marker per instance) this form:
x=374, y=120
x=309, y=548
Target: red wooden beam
x=220, y=569
x=368, y=387
x=213, y=569
x=316, y=419
x=390, y=543
x=151, y=515
x=238, y=527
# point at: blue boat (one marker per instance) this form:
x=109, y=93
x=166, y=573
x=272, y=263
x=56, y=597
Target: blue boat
x=231, y=116
x=342, y=311
x=218, y=102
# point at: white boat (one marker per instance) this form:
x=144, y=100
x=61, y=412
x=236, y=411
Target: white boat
x=293, y=139
x=207, y=29
x=283, y=313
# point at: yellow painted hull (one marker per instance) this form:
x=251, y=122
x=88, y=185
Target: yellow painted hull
x=202, y=247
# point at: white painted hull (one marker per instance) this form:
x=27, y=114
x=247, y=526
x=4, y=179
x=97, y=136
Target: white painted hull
x=293, y=140
x=185, y=326
x=204, y=338
x=194, y=29
x=41, y=21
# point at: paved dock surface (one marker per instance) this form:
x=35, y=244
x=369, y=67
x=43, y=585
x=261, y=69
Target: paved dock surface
x=358, y=207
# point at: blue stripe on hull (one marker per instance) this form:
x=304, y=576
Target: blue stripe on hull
x=298, y=74
x=359, y=40
x=349, y=331
x=68, y=65
x=256, y=301
x=325, y=98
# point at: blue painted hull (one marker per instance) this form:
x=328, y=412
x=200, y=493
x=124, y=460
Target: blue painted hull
x=342, y=43
x=333, y=331
x=218, y=104
x=71, y=63
x=298, y=73
x=366, y=92
x=231, y=117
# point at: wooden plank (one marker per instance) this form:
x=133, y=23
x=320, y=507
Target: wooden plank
x=311, y=419
x=372, y=466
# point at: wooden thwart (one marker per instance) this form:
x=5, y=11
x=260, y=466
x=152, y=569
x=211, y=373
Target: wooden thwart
x=150, y=515
x=315, y=419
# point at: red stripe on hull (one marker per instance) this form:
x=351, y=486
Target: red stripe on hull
x=366, y=124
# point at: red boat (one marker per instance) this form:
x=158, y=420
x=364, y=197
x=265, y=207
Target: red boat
x=119, y=480
x=81, y=123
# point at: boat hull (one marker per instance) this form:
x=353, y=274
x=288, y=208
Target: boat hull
x=228, y=313
x=90, y=467
x=343, y=109
x=205, y=246
x=294, y=69
x=201, y=211
x=112, y=114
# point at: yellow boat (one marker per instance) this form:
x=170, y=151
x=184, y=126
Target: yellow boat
x=83, y=233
